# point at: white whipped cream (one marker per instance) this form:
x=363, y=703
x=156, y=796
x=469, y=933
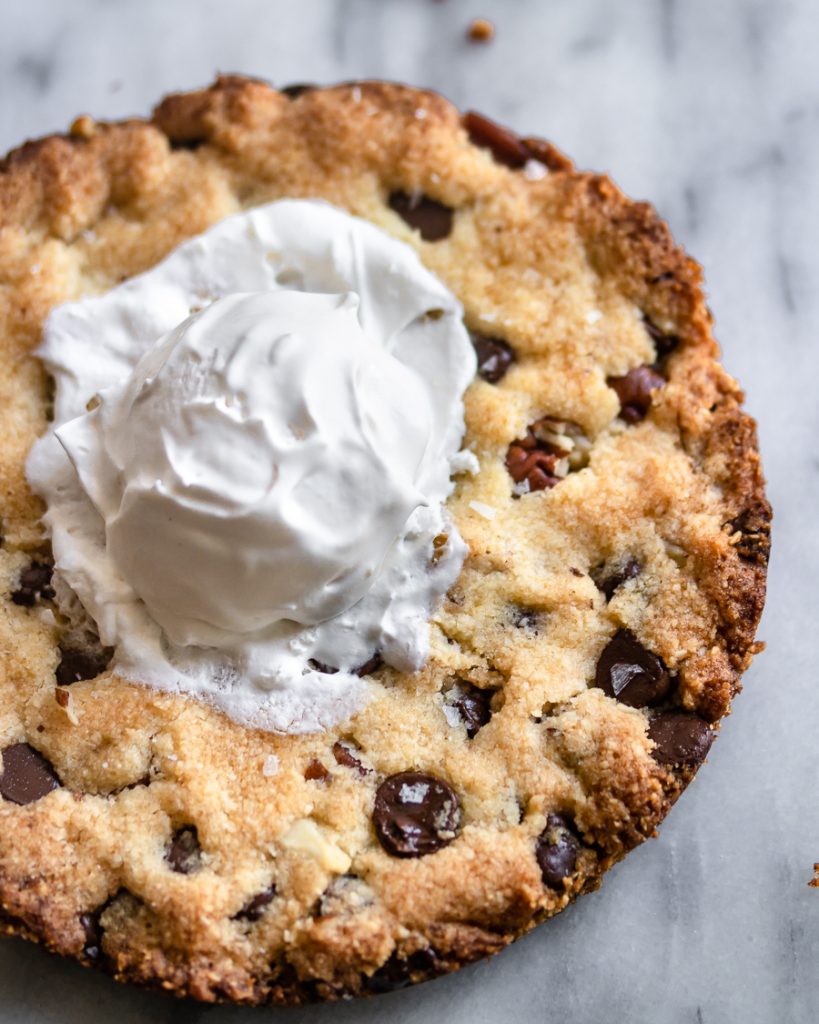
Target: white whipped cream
x=252, y=447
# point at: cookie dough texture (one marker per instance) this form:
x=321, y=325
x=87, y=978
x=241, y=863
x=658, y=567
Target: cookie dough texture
x=184, y=851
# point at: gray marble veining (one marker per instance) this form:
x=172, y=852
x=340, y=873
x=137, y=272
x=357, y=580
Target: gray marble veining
x=712, y=110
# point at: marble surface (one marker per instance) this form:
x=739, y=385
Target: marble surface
x=712, y=110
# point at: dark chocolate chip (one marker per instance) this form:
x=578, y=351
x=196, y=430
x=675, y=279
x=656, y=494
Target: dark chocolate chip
x=631, y=673
x=371, y=665
x=297, y=89
x=92, y=928
x=608, y=579
x=27, y=775
x=343, y=752
x=545, y=153
x=34, y=585
x=315, y=771
x=398, y=972
x=681, y=738
x=556, y=851
x=319, y=666
x=537, y=460
x=256, y=905
x=184, y=854
x=664, y=344
x=494, y=357
x=754, y=525
x=505, y=145
x=431, y=218
x=415, y=814
x=78, y=663
x=634, y=391
x=472, y=703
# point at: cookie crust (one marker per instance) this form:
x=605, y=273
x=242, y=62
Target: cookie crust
x=534, y=257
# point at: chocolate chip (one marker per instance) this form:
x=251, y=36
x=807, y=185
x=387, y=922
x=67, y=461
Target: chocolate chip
x=472, y=704
x=431, y=218
x=184, y=854
x=90, y=924
x=681, y=738
x=509, y=148
x=399, y=972
x=256, y=905
x=344, y=755
x=506, y=145
x=634, y=391
x=415, y=814
x=316, y=772
x=546, y=455
x=608, y=579
x=371, y=665
x=556, y=851
x=664, y=344
x=754, y=544
x=27, y=775
x=631, y=673
x=78, y=663
x=319, y=666
x=292, y=92
x=494, y=357
x=547, y=154
x=34, y=585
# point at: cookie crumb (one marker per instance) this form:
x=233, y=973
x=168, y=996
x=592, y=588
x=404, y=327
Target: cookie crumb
x=481, y=30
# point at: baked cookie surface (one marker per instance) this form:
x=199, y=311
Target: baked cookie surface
x=618, y=535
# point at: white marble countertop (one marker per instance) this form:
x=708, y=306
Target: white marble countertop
x=711, y=108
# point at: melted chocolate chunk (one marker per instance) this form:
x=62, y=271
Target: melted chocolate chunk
x=26, y=775
x=415, y=814
x=631, y=673
x=681, y=739
x=184, y=854
x=431, y=218
x=316, y=772
x=544, y=457
x=664, y=344
x=77, y=663
x=634, y=391
x=506, y=146
x=34, y=585
x=343, y=752
x=256, y=905
x=556, y=851
x=608, y=580
x=494, y=357
x=397, y=973
x=472, y=703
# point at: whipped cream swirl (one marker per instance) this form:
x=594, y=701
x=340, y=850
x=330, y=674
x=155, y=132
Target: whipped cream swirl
x=252, y=447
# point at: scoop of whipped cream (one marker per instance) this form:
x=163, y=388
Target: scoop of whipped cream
x=252, y=447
